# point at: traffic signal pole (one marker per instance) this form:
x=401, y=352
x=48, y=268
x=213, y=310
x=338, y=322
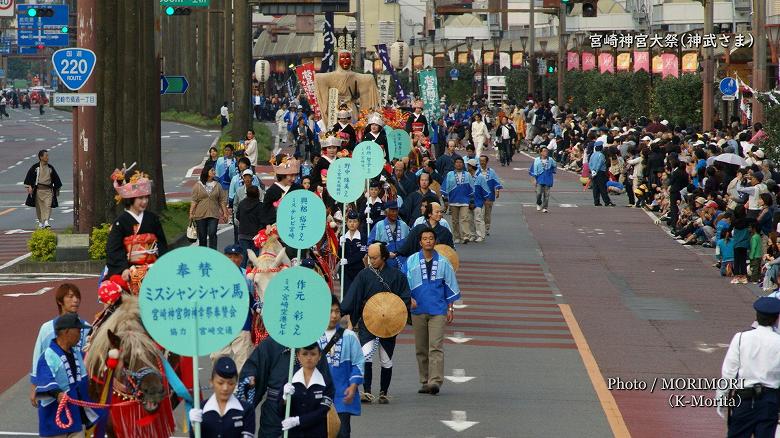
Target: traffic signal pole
x=561, y=54
x=84, y=128
x=531, y=50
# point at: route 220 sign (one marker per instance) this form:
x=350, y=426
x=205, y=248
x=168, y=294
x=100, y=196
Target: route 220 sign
x=74, y=66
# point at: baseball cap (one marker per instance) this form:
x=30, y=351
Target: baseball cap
x=646, y=138
x=232, y=249
x=472, y=162
x=225, y=367
x=69, y=321
x=664, y=122
x=701, y=200
x=247, y=172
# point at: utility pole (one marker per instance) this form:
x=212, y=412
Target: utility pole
x=708, y=71
x=242, y=78
x=532, y=49
x=562, y=43
x=759, y=57
x=84, y=128
x=360, y=44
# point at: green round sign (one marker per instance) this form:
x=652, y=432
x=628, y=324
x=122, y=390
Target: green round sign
x=297, y=307
x=388, y=131
x=399, y=142
x=194, y=301
x=345, y=180
x=301, y=219
x=369, y=157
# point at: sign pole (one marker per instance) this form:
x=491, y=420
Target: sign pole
x=343, y=234
x=287, y=398
x=195, y=377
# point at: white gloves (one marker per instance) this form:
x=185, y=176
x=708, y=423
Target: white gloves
x=196, y=415
x=342, y=239
x=369, y=221
x=289, y=390
x=343, y=262
x=367, y=210
x=289, y=423
x=593, y=173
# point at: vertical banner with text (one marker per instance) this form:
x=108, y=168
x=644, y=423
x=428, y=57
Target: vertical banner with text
x=305, y=75
x=383, y=83
x=429, y=92
x=384, y=55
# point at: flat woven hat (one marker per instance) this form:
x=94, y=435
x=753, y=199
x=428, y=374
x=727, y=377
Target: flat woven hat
x=385, y=314
x=447, y=252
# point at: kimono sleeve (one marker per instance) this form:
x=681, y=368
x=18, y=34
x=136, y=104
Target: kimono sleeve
x=116, y=257
x=356, y=357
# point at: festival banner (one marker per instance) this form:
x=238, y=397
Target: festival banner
x=305, y=75
x=658, y=64
x=477, y=54
x=383, y=83
x=378, y=67
x=384, y=56
x=488, y=57
x=429, y=92
x=641, y=61
x=624, y=62
x=329, y=38
x=572, y=61
x=417, y=62
x=690, y=62
x=517, y=59
x=451, y=56
x=588, y=61
x=504, y=60
x=670, y=65
x=463, y=58
x=606, y=63
x=333, y=105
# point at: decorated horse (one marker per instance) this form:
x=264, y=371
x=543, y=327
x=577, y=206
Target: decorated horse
x=128, y=373
x=272, y=259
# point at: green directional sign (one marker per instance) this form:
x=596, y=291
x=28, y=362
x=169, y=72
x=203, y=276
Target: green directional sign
x=191, y=3
x=173, y=84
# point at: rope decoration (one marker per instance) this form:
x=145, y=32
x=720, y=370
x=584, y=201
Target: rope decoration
x=84, y=404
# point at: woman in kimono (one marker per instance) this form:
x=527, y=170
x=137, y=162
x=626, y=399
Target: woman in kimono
x=136, y=238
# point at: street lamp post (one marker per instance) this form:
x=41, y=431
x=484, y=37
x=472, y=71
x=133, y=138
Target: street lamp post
x=496, y=52
x=563, y=45
x=543, y=46
x=773, y=36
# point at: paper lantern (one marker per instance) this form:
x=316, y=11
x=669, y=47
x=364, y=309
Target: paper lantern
x=262, y=70
x=399, y=52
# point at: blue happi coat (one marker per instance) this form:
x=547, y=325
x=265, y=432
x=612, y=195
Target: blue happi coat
x=433, y=294
x=481, y=190
x=346, y=362
x=226, y=169
x=458, y=187
x=381, y=233
x=543, y=172
x=493, y=181
x=55, y=374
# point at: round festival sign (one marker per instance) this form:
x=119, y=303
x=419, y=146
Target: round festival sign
x=345, y=180
x=297, y=307
x=399, y=143
x=301, y=219
x=369, y=157
x=194, y=301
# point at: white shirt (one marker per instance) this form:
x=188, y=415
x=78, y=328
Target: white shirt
x=250, y=149
x=479, y=129
x=315, y=379
x=755, y=358
x=224, y=111
x=213, y=405
x=3, y=101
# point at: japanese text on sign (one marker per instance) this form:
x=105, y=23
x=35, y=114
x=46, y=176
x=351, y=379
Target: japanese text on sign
x=670, y=41
x=296, y=309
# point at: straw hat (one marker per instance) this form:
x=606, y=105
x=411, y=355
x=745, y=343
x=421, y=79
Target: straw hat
x=385, y=315
x=448, y=253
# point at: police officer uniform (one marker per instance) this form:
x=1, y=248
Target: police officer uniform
x=238, y=421
x=309, y=405
x=753, y=358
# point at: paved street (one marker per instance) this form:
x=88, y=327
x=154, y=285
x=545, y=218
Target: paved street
x=26, y=132
x=553, y=306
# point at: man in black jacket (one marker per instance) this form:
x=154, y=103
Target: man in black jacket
x=249, y=213
x=43, y=185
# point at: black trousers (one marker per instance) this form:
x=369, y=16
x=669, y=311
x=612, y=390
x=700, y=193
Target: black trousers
x=740, y=261
x=674, y=208
x=754, y=417
x=346, y=428
x=630, y=191
x=207, y=232
x=600, y=188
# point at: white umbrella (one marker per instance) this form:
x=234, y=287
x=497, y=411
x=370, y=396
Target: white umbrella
x=731, y=159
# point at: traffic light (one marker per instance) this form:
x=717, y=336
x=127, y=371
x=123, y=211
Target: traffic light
x=569, y=4
x=40, y=47
x=550, y=68
x=170, y=10
x=64, y=29
x=40, y=12
x=589, y=8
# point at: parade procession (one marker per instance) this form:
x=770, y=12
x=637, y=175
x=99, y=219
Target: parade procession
x=418, y=218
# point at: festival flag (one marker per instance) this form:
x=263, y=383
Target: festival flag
x=517, y=59
x=606, y=63
x=463, y=58
x=624, y=62
x=588, y=61
x=429, y=92
x=329, y=38
x=641, y=61
x=381, y=50
x=305, y=75
x=690, y=62
x=504, y=60
x=572, y=61
x=670, y=65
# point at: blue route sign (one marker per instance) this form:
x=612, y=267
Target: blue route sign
x=728, y=86
x=47, y=31
x=173, y=84
x=74, y=66
x=5, y=46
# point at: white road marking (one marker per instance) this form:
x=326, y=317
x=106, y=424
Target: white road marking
x=15, y=261
x=459, y=422
x=40, y=291
x=458, y=376
x=458, y=338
